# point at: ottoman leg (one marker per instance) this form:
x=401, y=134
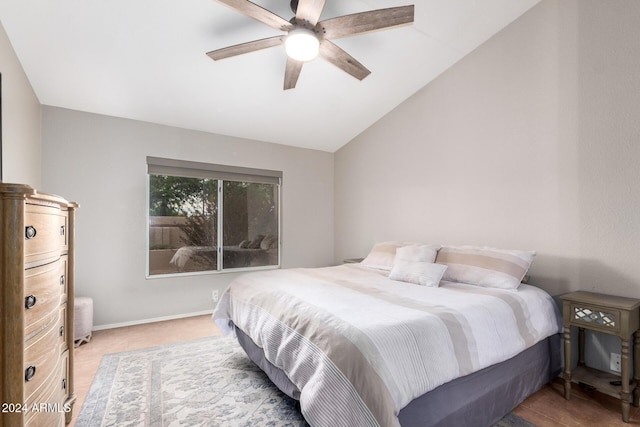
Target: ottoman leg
x=83, y=323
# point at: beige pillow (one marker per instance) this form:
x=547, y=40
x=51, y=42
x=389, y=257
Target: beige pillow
x=382, y=255
x=483, y=266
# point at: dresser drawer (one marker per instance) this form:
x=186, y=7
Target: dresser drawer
x=62, y=390
x=44, y=288
x=605, y=319
x=41, y=361
x=45, y=233
x=44, y=418
x=62, y=328
x=47, y=406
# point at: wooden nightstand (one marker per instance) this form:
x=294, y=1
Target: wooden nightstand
x=611, y=315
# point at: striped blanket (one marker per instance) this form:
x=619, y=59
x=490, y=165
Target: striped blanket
x=360, y=346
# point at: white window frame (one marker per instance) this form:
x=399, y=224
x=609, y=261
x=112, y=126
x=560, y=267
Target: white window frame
x=190, y=169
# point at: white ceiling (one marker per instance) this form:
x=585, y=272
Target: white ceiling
x=145, y=60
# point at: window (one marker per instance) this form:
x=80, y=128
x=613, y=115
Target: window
x=207, y=218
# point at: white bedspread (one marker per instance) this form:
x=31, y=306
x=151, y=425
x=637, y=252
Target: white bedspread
x=360, y=346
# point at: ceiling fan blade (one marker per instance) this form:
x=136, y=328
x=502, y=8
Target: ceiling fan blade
x=309, y=10
x=292, y=73
x=258, y=13
x=239, y=49
x=365, y=22
x=343, y=60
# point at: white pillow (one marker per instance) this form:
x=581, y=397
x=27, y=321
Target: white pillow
x=419, y=272
x=483, y=266
x=424, y=253
x=382, y=255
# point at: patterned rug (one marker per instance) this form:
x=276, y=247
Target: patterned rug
x=205, y=382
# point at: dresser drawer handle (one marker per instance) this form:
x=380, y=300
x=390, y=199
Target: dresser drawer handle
x=30, y=232
x=62, y=230
x=61, y=330
x=30, y=301
x=62, y=280
x=64, y=383
x=29, y=373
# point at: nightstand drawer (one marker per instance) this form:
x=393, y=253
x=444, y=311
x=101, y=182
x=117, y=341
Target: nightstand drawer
x=600, y=318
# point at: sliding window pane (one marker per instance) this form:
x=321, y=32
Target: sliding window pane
x=183, y=216
x=250, y=224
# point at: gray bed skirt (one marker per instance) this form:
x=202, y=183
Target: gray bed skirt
x=478, y=399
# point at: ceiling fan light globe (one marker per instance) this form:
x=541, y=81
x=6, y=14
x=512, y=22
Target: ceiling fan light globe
x=302, y=44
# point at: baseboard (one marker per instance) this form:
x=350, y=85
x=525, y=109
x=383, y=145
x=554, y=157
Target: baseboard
x=155, y=319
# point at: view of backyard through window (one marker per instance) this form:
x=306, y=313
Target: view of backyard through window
x=202, y=224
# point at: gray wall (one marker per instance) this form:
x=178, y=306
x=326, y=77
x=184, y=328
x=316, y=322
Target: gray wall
x=100, y=162
x=21, y=149
x=532, y=141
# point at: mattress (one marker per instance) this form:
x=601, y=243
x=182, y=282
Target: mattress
x=359, y=347
x=476, y=400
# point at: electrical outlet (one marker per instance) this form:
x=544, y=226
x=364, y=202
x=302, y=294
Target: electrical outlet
x=214, y=297
x=614, y=362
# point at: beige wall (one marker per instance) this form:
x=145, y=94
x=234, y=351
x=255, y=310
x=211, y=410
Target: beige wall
x=21, y=150
x=532, y=142
x=100, y=162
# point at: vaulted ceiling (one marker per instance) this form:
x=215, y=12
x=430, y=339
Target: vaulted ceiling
x=145, y=60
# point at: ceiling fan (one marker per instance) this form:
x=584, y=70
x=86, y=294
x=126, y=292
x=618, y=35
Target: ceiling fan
x=307, y=38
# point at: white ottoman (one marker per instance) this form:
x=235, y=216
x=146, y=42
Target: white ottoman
x=83, y=320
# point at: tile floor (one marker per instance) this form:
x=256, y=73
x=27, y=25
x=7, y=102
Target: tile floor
x=546, y=408
x=88, y=356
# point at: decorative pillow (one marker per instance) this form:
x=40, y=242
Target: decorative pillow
x=268, y=242
x=483, y=266
x=255, y=243
x=382, y=255
x=419, y=272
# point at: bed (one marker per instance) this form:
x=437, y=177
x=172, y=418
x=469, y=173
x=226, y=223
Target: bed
x=373, y=344
x=232, y=256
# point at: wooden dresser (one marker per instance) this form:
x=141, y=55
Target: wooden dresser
x=36, y=307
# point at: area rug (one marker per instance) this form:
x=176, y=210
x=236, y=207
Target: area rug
x=205, y=382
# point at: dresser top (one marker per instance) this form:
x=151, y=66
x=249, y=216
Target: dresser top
x=29, y=193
